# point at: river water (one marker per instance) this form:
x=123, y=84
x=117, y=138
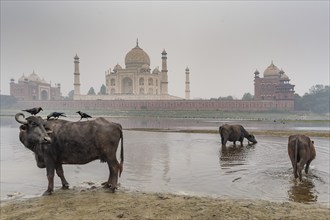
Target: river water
x=182, y=163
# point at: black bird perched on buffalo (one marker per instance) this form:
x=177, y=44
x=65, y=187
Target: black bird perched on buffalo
x=33, y=111
x=55, y=115
x=83, y=115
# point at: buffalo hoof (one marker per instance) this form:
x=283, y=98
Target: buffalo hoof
x=65, y=187
x=113, y=189
x=47, y=193
x=106, y=185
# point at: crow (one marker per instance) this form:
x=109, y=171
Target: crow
x=55, y=115
x=83, y=115
x=33, y=111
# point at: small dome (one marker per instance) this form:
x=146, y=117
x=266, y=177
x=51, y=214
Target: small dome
x=283, y=76
x=256, y=72
x=117, y=67
x=136, y=57
x=156, y=70
x=44, y=81
x=272, y=71
x=187, y=69
x=33, y=77
x=22, y=78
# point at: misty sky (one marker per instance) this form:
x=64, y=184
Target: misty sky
x=222, y=42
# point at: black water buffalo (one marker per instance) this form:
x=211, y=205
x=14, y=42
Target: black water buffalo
x=301, y=151
x=57, y=142
x=234, y=133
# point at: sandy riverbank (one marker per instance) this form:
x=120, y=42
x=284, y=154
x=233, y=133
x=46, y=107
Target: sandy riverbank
x=100, y=204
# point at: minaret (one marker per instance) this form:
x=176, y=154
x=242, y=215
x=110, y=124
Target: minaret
x=164, y=78
x=76, y=82
x=187, y=91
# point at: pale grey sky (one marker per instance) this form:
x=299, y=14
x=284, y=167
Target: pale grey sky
x=222, y=42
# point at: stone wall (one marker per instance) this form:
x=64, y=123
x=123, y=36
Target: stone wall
x=223, y=105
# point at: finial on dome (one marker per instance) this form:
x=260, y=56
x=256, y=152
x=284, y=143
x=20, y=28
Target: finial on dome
x=137, y=42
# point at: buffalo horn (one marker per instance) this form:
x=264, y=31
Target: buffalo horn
x=22, y=121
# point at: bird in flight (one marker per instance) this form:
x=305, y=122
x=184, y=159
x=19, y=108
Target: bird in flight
x=83, y=115
x=33, y=111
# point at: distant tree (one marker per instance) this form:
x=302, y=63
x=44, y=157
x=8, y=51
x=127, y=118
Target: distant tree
x=226, y=98
x=247, y=96
x=298, y=103
x=6, y=101
x=317, y=89
x=70, y=95
x=91, y=91
x=103, y=90
x=317, y=100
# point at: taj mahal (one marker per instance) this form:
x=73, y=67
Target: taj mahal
x=134, y=82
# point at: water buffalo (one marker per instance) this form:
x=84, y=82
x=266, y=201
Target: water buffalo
x=301, y=151
x=57, y=142
x=234, y=133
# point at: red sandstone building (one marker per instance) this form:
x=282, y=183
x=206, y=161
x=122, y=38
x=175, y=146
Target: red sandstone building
x=33, y=88
x=275, y=85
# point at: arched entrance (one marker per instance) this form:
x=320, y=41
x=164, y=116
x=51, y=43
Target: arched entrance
x=44, y=95
x=127, y=86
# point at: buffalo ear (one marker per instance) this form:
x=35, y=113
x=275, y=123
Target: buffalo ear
x=23, y=128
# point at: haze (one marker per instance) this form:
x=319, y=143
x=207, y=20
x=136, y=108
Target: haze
x=221, y=42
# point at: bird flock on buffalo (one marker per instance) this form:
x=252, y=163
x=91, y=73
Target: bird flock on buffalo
x=56, y=142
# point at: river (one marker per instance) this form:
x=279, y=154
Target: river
x=182, y=163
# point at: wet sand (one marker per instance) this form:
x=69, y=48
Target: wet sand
x=98, y=203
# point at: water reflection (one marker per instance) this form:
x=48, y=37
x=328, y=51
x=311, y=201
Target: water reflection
x=303, y=192
x=232, y=156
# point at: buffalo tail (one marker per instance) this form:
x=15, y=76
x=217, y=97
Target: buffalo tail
x=121, y=153
x=295, y=156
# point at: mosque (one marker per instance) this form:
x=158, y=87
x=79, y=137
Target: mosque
x=274, y=85
x=34, y=88
x=136, y=81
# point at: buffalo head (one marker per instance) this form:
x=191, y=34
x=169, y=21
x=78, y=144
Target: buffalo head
x=252, y=139
x=33, y=132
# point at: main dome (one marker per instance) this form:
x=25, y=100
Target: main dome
x=136, y=57
x=272, y=71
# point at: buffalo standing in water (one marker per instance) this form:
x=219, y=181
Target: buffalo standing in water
x=57, y=142
x=301, y=151
x=235, y=133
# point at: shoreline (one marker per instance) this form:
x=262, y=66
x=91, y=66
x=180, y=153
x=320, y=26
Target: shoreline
x=279, y=133
x=98, y=203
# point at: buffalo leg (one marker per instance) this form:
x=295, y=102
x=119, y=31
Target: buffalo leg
x=307, y=166
x=294, y=167
x=60, y=173
x=113, y=177
x=50, y=176
x=300, y=167
x=223, y=141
